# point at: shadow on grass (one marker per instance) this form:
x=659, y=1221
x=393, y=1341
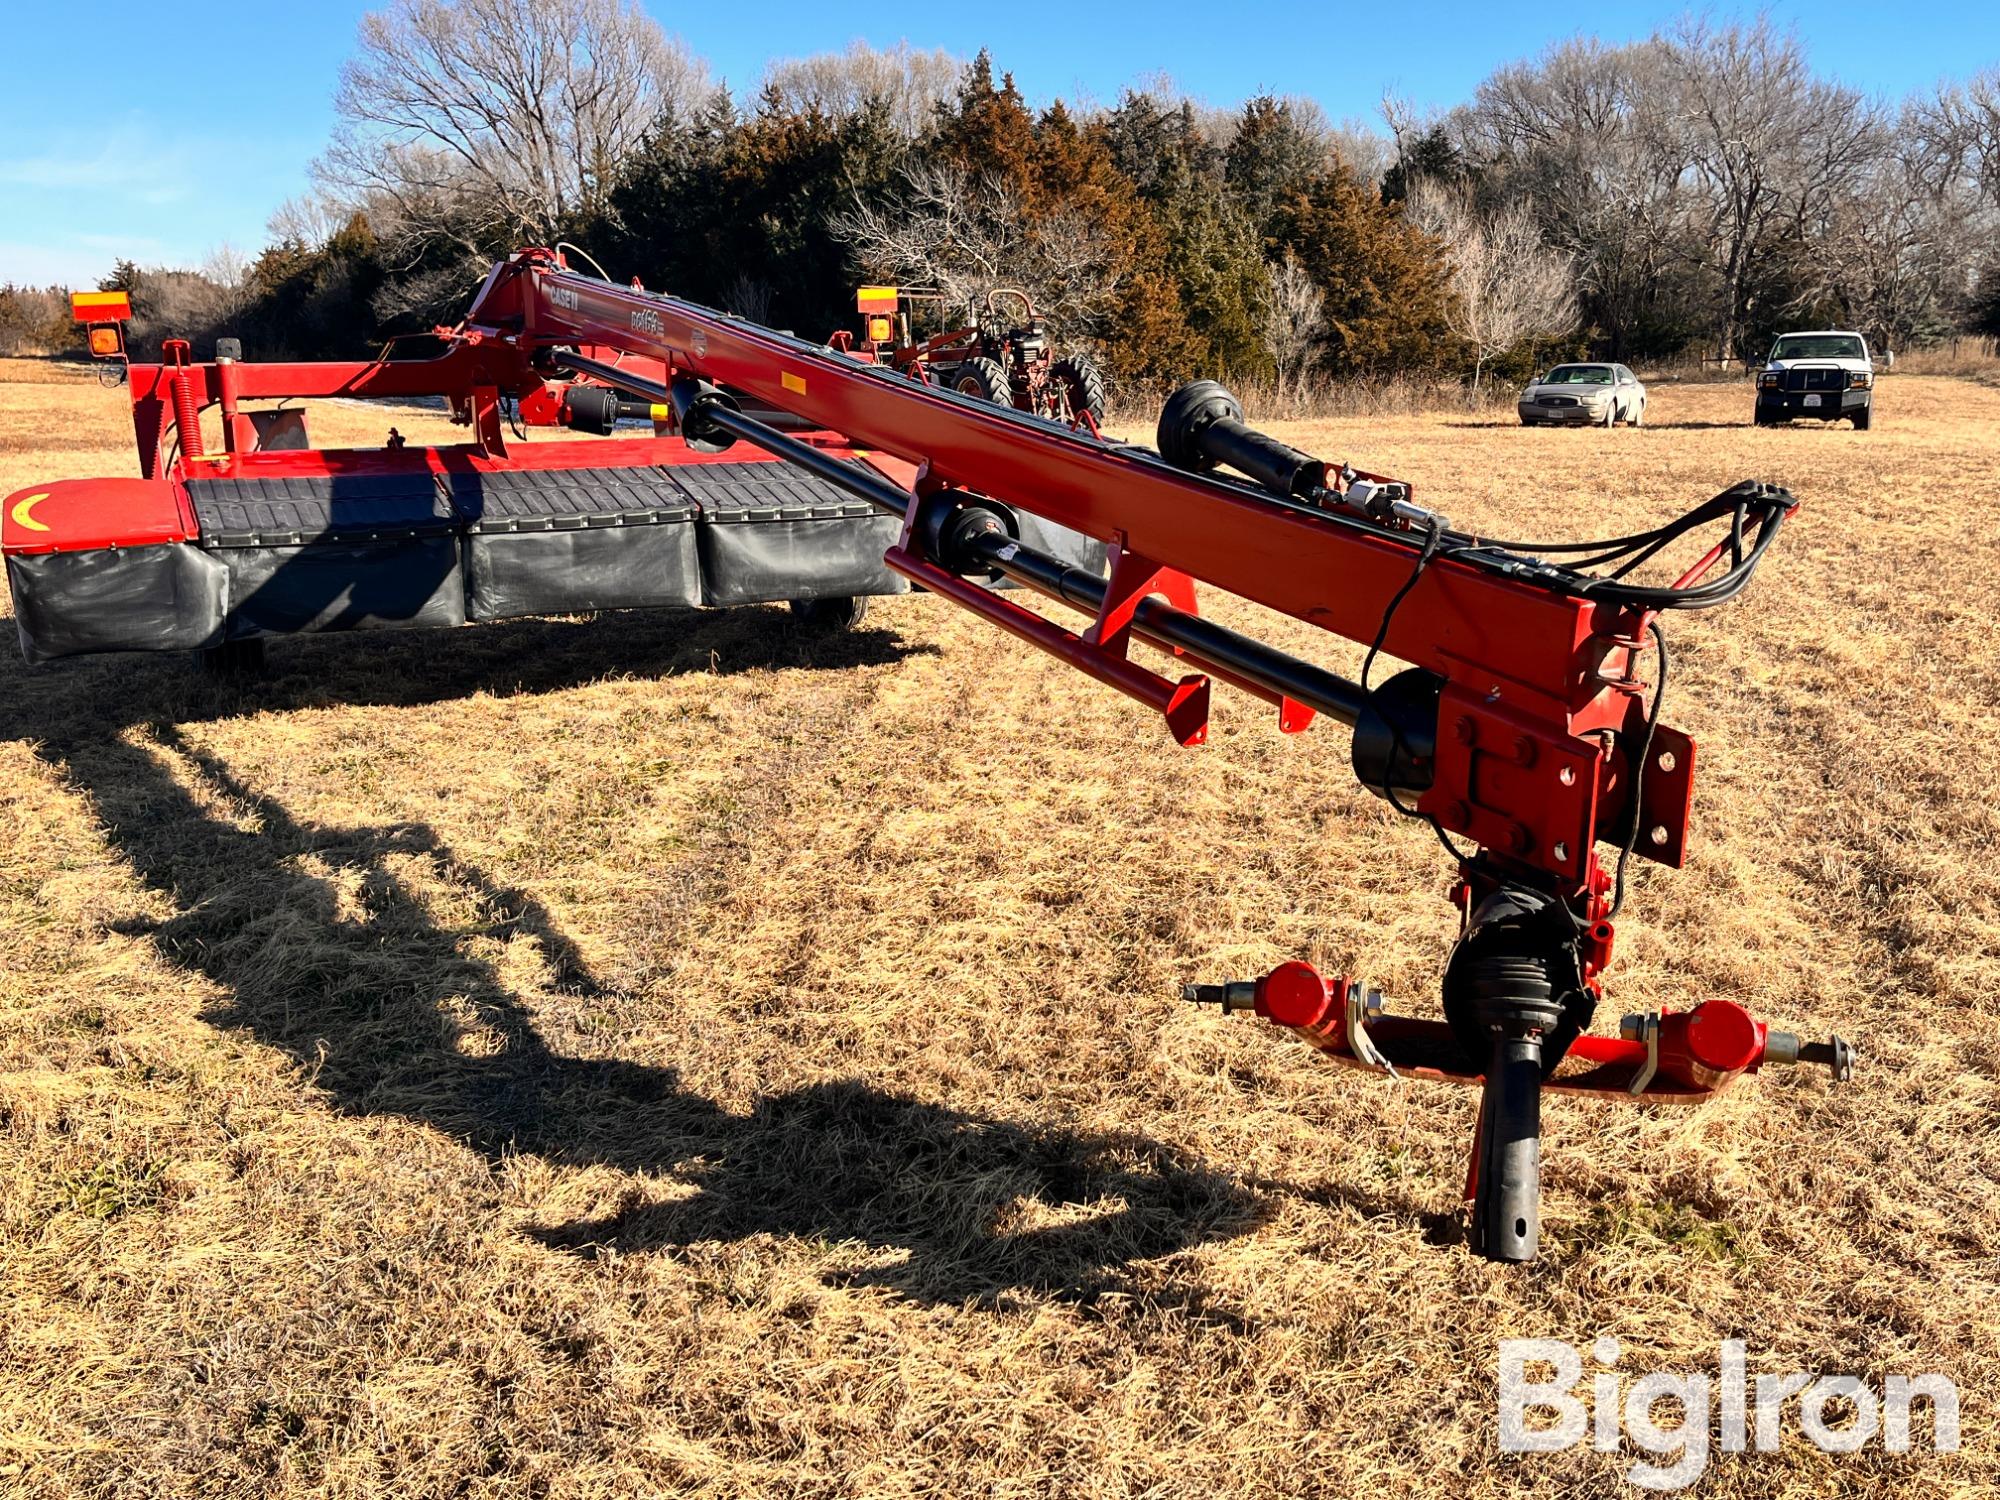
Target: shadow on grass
x=376, y=1004
x=406, y=669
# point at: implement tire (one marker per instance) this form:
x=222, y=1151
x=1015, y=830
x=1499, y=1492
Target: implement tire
x=828, y=615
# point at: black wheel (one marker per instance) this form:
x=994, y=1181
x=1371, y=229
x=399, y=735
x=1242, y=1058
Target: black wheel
x=1083, y=383
x=1763, y=421
x=982, y=377
x=1861, y=414
x=233, y=661
x=830, y=614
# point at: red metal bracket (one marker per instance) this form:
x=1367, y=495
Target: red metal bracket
x=1183, y=704
x=1132, y=578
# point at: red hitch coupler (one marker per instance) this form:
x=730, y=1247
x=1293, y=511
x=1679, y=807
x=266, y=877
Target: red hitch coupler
x=1293, y=994
x=1719, y=1040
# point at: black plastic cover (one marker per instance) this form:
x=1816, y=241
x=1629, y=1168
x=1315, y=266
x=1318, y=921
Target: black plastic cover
x=404, y=583
x=165, y=598
x=770, y=532
x=560, y=541
x=567, y=499
x=731, y=494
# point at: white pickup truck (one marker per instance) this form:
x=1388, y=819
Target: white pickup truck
x=1824, y=375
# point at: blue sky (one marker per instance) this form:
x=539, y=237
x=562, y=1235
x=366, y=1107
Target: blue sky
x=173, y=138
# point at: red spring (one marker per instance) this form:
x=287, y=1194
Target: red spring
x=187, y=416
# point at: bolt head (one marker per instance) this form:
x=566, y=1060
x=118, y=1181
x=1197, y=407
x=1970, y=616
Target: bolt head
x=1465, y=729
x=1524, y=750
x=1519, y=840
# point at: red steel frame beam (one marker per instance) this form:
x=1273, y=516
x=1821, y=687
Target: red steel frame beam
x=1533, y=676
x=472, y=373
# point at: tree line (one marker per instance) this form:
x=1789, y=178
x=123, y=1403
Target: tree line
x=1693, y=192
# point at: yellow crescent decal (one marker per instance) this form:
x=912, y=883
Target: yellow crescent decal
x=24, y=512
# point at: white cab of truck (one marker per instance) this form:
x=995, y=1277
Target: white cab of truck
x=1821, y=375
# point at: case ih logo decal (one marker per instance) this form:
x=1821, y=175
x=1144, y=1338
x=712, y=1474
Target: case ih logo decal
x=564, y=296
x=645, y=320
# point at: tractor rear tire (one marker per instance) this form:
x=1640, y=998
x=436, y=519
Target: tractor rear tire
x=1083, y=383
x=983, y=377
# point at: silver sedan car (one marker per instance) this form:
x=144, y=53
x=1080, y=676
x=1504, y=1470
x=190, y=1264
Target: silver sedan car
x=1584, y=395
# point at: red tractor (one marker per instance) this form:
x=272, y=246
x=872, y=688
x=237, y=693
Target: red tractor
x=998, y=358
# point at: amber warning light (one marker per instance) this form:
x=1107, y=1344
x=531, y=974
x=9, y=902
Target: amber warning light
x=103, y=311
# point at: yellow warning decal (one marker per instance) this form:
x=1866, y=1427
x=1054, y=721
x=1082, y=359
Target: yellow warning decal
x=794, y=383
x=24, y=512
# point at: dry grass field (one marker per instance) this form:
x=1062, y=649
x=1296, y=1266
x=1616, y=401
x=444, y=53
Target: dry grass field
x=673, y=1054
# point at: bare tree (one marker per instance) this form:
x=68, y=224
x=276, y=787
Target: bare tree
x=1959, y=128
x=479, y=121
x=1507, y=286
x=1768, y=147
x=965, y=236
x=309, y=220
x=1585, y=131
x=1293, y=320
x=748, y=297
x=908, y=83
x=1900, y=255
x=228, y=273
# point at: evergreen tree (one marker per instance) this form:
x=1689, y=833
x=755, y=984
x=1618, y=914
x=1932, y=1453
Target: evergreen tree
x=1432, y=154
x=1384, y=279
x=1272, y=157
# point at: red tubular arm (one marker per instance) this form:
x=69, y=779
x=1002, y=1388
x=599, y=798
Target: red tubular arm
x=1533, y=675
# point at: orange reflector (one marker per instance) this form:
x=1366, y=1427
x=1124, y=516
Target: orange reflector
x=875, y=299
x=878, y=330
x=105, y=342
x=100, y=307
x=795, y=383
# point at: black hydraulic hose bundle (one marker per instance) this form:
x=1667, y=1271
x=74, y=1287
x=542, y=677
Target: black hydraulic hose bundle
x=1767, y=505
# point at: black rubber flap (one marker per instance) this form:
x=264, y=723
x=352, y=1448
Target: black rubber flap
x=556, y=572
x=291, y=512
x=167, y=598
x=512, y=500
x=730, y=493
